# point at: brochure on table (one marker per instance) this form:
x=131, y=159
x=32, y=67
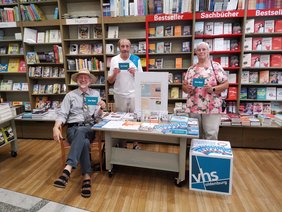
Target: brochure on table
x=151, y=92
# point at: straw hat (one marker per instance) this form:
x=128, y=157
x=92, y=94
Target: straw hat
x=87, y=72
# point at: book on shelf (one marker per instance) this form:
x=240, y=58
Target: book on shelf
x=252, y=93
x=199, y=28
x=218, y=28
x=264, y=76
x=30, y=35
x=174, y=92
x=13, y=48
x=273, y=77
x=257, y=44
x=276, y=43
x=267, y=43
x=168, y=31
x=257, y=108
x=243, y=93
x=110, y=48
x=208, y=28
x=247, y=60
x=152, y=32
x=32, y=58
x=17, y=86
x=8, y=133
x=236, y=28
x=186, y=30
x=279, y=94
x=152, y=63
x=269, y=26
x=227, y=28
x=186, y=46
x=167, y=47
x=270, y=93
x=253, y=77
x=85, y=48
x=218, y=44
x=259, y=26
x=55, y=36
x=234, y=61
x=97, y=31
x=178, y=62
x=170, y=78
x=177, y=78
x=22, y=67
x=234, y=44
x=41, y=37
x=113, y=31
x=177, y=30
x=250, y=26
x=248, y=44
x=255, y=60
x=159, y=63
x=232, y=93
x=232, y=77
x=266, y=108
x=83, y=31
x=276, y=60
x=73, y=49
x=159, y=31
x=160, y=47
x=261, y=93
x=142, y=47
x=13, y=64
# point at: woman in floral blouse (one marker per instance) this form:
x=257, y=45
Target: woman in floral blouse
x=204, y=83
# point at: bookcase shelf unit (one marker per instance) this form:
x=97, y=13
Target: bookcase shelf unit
x=261, y=82
x=168, y=42
x=222, y=30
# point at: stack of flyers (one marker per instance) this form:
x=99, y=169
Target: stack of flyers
x=210, y=147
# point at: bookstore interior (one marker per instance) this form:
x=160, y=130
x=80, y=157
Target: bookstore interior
x=44, y=42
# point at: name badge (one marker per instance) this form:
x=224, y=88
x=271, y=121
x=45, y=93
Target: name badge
x=123, y=66
x=198, y=82
x=91, y=100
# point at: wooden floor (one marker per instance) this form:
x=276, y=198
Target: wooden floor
x=257, y=183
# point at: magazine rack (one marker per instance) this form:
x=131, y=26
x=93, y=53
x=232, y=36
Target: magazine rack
x=6, y=123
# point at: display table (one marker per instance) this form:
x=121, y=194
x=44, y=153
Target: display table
x=142, y=158
x=6, y=123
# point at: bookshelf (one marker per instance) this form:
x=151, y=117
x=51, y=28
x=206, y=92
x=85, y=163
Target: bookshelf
x=169, y=41
x=83, y=41
x=13, y=71
x=261, y=78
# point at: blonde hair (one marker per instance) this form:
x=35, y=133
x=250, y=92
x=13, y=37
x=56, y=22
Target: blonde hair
x=203, y=43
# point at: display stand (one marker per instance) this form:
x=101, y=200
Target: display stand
x=13, y=143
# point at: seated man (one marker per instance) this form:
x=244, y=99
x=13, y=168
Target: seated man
x=78, y=111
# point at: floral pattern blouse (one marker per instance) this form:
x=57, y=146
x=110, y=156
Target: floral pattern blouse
x=202, y=102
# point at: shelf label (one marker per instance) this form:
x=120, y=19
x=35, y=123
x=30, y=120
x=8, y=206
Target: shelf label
x=77, y=21
x=8, y=24
x=269, y=12
x=169, y=17
x=223, y=14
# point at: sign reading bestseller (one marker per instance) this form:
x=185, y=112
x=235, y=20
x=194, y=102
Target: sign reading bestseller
x=91, y=100
x=198, y=82
x=123, y=66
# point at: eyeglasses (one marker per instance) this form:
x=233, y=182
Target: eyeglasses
x=202, y=50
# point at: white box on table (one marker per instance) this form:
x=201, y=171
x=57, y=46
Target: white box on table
x=211, y=164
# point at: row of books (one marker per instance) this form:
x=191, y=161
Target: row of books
x=43, y=102
x=261, y=93
x=32, y=12
x=116, y=8
x=9, y=14
x=264, y=4
x=262, y=60
x=263, y=26
x=8, y=1
x=217, y=28
x=263, y=77
x=220, y=44
x=55, y=56
x=219, y=5
x=49, y=89
x=46, y=71
x=12, y=48
x=226, y=61
x=49, y=36
x=86, y=48
x=166, y=47
x=87, y=31
x=14, y=65
x=262, y=43
x=166, y=31
x=6, y=135
x=9, y=85
x=91, y=64
x=169, y=6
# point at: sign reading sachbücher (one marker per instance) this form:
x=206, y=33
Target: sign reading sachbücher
x=211, y=164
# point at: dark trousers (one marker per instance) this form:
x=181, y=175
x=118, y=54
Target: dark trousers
x=79, y=138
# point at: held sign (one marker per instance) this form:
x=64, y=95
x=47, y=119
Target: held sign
x=91, y=100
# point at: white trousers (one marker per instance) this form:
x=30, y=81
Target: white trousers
x=124, y=104
x=208, y=125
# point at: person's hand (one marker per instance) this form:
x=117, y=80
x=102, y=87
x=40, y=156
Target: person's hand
x=187, y=87
x=116, y=71
x=57, y=135
x=132, y=71
x=102, y=104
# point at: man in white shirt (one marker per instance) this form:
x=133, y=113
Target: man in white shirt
x=122, y=72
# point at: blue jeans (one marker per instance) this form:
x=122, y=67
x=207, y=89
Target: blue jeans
x=79, y=138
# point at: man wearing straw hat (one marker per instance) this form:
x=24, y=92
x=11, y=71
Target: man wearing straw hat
x=79, y=109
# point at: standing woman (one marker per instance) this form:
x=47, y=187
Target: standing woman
x=204, y=101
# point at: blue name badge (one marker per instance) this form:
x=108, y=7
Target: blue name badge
x=91, y=100
x=123, y=66
x=198, y=82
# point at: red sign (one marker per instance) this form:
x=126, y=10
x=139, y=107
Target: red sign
x=221, y=14
x=169, y=17
x=269, y=12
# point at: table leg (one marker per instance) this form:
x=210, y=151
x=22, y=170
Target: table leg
x=182, y=159
x=108, y=150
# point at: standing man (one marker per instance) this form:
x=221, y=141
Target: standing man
x=78, y=111
x=122, y=73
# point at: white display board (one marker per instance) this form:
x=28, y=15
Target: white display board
x=151, y=92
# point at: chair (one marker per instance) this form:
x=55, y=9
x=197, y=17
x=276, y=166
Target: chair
x=96, y=145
